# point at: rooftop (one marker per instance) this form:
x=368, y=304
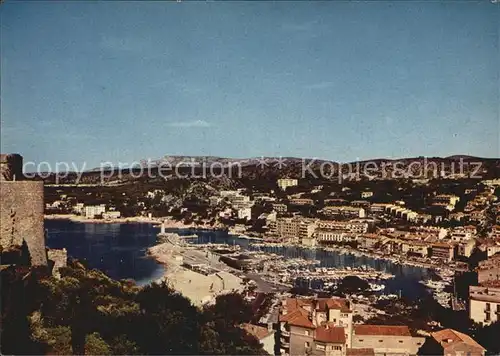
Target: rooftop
x=450, y=337
x=329, y=334
x=259, y=332
x=387, y=330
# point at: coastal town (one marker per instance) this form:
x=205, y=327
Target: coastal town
x=451, y=229
x=275, y=178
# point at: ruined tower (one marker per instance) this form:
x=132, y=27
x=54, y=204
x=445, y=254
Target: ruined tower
x=21, y=210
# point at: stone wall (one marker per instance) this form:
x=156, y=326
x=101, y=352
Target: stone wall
x=21, y=214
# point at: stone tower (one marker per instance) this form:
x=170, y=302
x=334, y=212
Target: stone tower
x=21, y=210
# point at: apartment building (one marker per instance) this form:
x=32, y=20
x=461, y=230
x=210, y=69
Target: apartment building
x=386, y=339
x=294, y=229
x=287, y=182
x=415, y=247
x=484, y=304
x=326, y=235
x=321, y=326
x=353, y=226
x=91, y=211
x=443, y=251
x=450, y=342
x=344, y=211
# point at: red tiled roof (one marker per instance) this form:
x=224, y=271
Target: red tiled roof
x=332, y=303
x=290, y=315
x=449, y=337
x=259, y=332
x=329, y=334
x=360, y=352
x=388, y=330
x=301, y=321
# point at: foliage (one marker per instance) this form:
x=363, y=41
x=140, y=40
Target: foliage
x=86, y=312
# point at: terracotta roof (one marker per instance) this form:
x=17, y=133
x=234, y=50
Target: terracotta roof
x=330, y=334
x=290, y=315
x=332, y=303
x=389, y=330
x=302, y=321
x=259, y=332
x=449, y=337
x=360, y=352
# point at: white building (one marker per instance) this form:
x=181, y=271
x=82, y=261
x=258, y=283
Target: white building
x=287, y=182
x=92, y=211
x=484, y=304
x=111, y=215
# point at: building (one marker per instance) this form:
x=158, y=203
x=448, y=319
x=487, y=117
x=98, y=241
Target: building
x=327, y=235
x=484, y=304
x=369, y=241
x=91, y=211
x=287, y=182
x=465, y=248
x=111, y=215
x=22, y=208
x=320, y=326
x=489, y=270
x=344, y=211
x=294, y=229
x=280, y=208
x=453, y=343
x=353, y=226
x=301, y=201
x=443, y=251
x=264, y=335
x=386, y=339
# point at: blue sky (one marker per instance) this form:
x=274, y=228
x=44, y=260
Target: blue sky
x=121, y=81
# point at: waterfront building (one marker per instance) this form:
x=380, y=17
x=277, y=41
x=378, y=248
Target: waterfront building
x=484, y=303
x=449, y=342
x=264, y=335
x=327, y=235
x=386, y=339
x=111, y=215
x=295, y=229
x=443, y=251
x=287, y=182
x=91, y=211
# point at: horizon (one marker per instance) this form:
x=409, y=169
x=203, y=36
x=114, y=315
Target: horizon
x=339, y=81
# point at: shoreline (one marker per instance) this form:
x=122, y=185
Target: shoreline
x=169, y=223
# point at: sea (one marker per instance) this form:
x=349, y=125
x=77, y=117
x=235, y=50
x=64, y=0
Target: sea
x=119, y=250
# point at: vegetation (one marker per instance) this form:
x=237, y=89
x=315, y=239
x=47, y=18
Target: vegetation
x=86, y=312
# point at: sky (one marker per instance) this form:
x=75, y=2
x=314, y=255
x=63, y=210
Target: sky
x=121, y=81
